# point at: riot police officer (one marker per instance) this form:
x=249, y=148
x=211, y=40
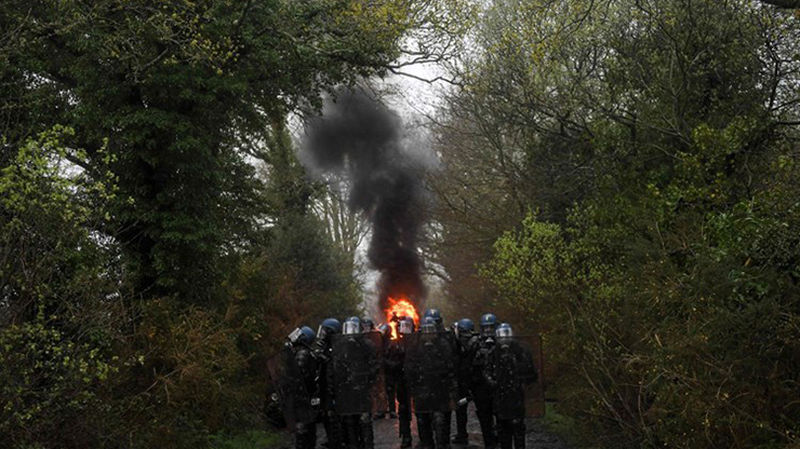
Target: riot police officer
x=392, y=369
x=465, y=331
x=367, y=325
x=322, y=352
x=358, y=430
x=433, y=383
x=481, y=348
x=449, y=336
x=425, y=418
x=509, y=368
x=299, y=343
x=436, y=316
x=405, y=328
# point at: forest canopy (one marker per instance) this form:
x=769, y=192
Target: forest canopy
x=647, y=153
x=622, y=177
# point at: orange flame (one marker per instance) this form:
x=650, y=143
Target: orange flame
x=399, y=308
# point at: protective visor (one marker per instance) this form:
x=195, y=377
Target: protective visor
x=350, y=328
x=405, y=327
x=504, y=331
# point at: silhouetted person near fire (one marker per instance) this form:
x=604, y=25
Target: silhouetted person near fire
x=391, y=366
x=405, y=328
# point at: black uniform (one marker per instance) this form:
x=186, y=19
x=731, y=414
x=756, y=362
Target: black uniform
x=356, y=372
x=428, y=368
x=509, y=369
x=330, y=421
x=463, y=367
x=293, y=372
x=306, y=432
x=396, y=388
x=481, y=349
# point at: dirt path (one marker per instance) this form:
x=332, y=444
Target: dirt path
x=386, y=434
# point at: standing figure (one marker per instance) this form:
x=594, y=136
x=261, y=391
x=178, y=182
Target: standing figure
x=509, y=370
x=481, y=347
x=405, y=329
x=392, y=369
x=465, y=331
x=294, y=372
x=322, y=348
x=356, y=371
x=428, y=371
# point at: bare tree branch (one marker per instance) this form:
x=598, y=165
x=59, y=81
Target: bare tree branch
x=788, y=4
x=426, y=80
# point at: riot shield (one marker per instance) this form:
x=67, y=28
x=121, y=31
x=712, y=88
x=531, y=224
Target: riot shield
x=429, y=370
x=357, y=380
x=517, y=371
x=293, y=396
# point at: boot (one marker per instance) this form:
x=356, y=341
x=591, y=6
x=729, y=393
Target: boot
x=441, y=429
x=367, y=436
x=461, y=440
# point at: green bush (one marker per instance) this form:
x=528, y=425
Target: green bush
x=52, y=385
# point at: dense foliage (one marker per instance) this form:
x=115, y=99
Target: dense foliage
x=157, y=235
x=622, y=176
x=649, y=151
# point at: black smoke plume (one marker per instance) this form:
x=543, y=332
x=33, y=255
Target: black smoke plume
x=360, y=138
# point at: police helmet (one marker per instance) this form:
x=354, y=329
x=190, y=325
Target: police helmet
x=302, y=334
x=428, y=325
x=367, y=324
x=329, y=326
x=435, y=314
x=405, y=326
x=504, y=330
x=308, y=334
x=351, y=326
x=383, y=329
x=488, y=323
x=332, y=324
x=465, y=325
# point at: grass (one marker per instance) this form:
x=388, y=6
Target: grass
x=561, y=425
x=252, y=439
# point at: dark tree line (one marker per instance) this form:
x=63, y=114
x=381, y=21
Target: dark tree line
x=157, y=237
x=625, y=175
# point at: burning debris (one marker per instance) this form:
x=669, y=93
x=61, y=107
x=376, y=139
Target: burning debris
x=360, y=138
x=396, y=310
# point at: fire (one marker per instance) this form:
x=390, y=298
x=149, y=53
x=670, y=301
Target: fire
x=399, y=308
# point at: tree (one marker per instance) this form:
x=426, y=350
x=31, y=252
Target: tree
x=181, y=91
x=791, y=4
x=61, y=305
x=344, y=227
x=658, y=143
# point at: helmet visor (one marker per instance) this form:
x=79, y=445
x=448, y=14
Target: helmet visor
x=504, y=332
x=405, y=327
x=350, y=328
x=295, y=335
x=428, y=328
x=322, y=332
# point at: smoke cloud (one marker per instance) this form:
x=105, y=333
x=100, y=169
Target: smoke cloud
x=360, y=138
